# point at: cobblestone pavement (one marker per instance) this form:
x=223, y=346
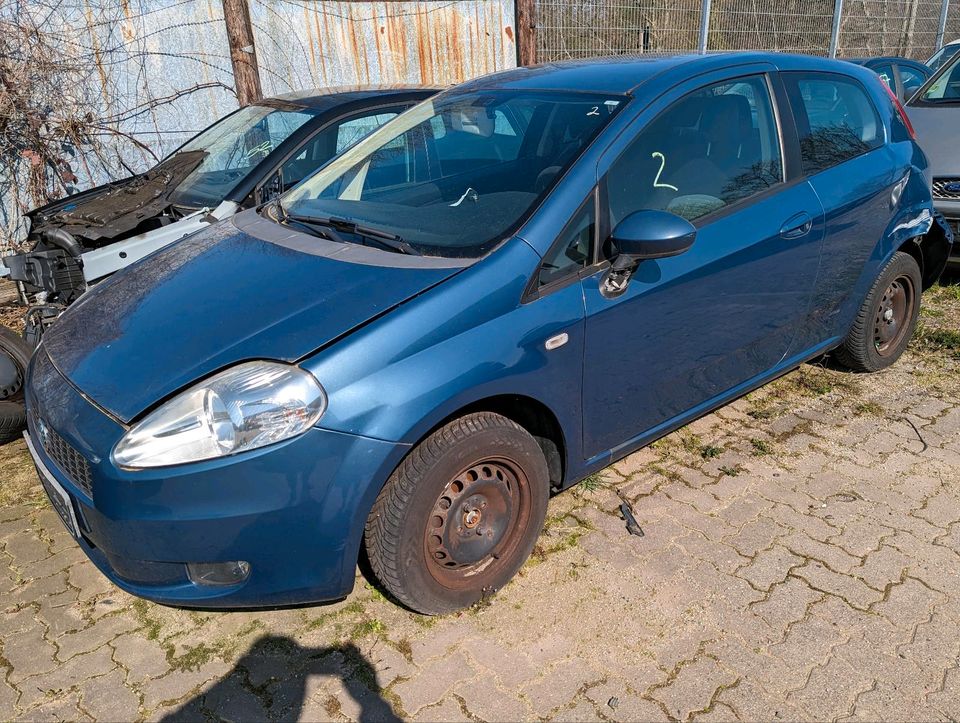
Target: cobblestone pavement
x=801, y=561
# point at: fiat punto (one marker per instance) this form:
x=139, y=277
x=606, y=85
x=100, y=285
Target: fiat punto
x=495, y=294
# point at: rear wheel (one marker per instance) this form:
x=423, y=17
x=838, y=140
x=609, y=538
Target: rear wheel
x=887, y=318
x=460, y=515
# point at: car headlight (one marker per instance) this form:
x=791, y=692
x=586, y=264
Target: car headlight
x=245, y=407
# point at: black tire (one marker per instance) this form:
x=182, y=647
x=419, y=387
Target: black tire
x=887, y=318
x=13, y=420
x=13, y=346
x=460, y=515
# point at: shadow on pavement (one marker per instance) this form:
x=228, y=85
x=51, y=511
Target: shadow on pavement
x=277, y=675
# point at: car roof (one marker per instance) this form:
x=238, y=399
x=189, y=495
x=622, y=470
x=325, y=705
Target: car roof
x=884, y=59
x=322, y=99
x=625, y=74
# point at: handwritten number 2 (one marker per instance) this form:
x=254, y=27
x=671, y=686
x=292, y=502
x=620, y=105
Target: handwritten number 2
x=663, y=162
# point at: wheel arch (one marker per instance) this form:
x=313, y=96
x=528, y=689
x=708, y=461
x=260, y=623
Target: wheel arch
x=930, y=250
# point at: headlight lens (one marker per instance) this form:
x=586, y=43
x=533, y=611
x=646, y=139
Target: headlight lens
x=248, y=406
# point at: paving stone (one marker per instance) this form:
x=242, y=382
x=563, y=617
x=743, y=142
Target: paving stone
x=94, y=636
x=106, y=698
x=67, y=675
x=769, y=567
x=435, y=679
x=831, y=687
x=446, y=710
x=855, y=592
x=615, y=703
x=177, y=684
x=694, y=686
x=8, y=702
x=28, y=653
x=442, y=639
x=509, y=665
x=485, y=700
x=558, y=686
x=141, y=657
x=908, y=604
x=56, y=707
x=25, y=548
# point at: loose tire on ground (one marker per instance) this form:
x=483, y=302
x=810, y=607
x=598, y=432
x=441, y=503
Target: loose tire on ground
x=460, y=515
x=886, y=320
x=13, y=420
x=18, y=351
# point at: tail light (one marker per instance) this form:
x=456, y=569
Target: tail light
x=900, y=109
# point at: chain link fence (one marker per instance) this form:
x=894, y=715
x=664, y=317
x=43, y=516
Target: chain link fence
x=850, y=28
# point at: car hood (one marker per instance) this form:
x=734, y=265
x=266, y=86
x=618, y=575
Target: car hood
x=247, y=288
x=117, y=208
x=936, y=128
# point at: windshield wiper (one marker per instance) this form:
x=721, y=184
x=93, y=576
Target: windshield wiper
x=331, y=225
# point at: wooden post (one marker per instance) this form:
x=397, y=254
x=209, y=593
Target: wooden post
x=243, y=52
x=526, y=32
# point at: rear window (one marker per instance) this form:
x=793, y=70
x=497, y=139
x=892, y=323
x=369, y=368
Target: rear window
x=836, y=119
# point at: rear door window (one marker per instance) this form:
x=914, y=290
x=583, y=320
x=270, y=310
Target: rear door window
x=836, y=119
x=886, y=74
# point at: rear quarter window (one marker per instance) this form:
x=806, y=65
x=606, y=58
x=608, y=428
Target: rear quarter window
x=836, y=119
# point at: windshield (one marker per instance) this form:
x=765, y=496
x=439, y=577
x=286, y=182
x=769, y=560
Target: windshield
x=454, y=174
x=944, y=87
x=234, y=146
x=943, y=55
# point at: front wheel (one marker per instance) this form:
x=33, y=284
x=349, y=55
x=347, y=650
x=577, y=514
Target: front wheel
x=460, y=515
x=887, y=318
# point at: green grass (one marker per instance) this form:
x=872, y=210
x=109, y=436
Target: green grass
x=592, y=483
x=761, y=447
x=868, y=408
x=709, y=451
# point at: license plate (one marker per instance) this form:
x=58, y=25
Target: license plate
x=58, y=496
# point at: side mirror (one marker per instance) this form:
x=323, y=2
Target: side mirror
x=653, y=235
x=645, y=235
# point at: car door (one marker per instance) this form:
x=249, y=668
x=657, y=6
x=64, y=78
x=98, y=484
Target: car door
x=853, y=170
x=323, y=145
x=688, y=329
x=911, y=76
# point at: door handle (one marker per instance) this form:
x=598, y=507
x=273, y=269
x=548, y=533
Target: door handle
x=797, y=226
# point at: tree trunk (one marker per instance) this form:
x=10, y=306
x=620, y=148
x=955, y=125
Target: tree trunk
x=243, y=52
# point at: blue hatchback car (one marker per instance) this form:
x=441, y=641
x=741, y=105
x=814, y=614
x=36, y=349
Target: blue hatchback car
x=495, y=294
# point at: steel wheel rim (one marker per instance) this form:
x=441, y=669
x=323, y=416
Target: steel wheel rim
x=11, y=377
x=892, y=319
x=476, y=522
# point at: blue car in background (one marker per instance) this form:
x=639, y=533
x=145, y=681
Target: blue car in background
x=493, y=295
x=901, y=75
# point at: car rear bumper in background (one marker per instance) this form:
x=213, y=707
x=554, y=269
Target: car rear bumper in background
x=951, y=211
x=293, y=512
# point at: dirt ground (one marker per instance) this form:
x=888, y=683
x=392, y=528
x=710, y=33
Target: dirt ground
x=801, y=561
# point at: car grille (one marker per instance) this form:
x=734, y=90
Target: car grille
x=73, y=464
x=940, y=189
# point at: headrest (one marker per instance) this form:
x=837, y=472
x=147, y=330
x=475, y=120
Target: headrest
x=729, y=114
x=472, y=120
